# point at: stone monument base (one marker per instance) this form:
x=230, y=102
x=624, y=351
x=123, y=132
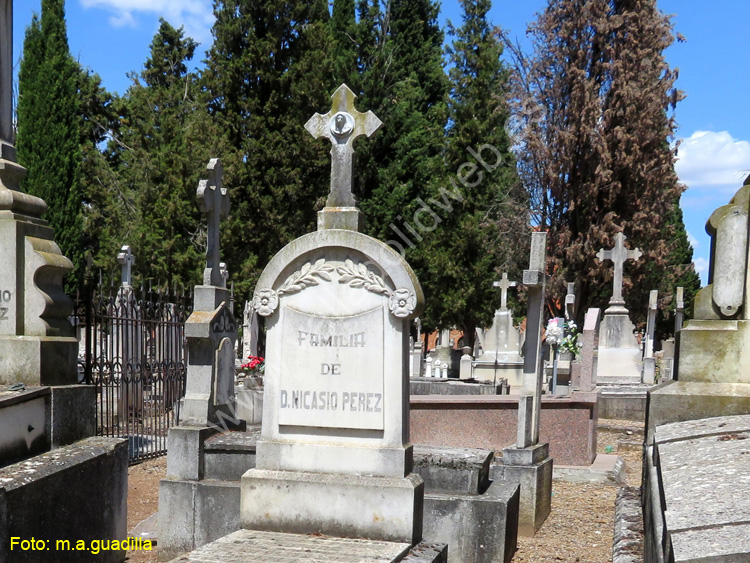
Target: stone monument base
x=38, y=360
x=619, y=357
x=531, y=468
x=477, y=518
x=714, y=351
x=251, y=546
x=378, y=508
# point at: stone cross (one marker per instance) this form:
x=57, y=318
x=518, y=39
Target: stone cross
x=342, y=125
x=535, y=279
x=6, y=71
x=678, y=309
x=126, y=259
x=213, y=200
x=619, y=254
x=504, y=284
x=570, y=302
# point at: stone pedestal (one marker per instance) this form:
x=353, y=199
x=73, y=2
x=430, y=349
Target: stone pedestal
x=379, y=508
x=531, y=468
x=619, y=356
x=37, y=342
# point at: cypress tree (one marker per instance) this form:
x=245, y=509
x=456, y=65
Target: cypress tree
x=403, y=82
x=344, y=35
x=167, y=140
x=487, y=231
x=49, y=130
x=267, y=73
x=598, y=101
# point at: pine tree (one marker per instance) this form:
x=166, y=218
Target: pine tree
x=49, y=130
x=267, y=73
x=597, y=102
x=166, y=142
x=485, y=233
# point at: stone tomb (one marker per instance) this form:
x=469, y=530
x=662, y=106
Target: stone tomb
x=336, y=408
x=619, y=356
x=501, y=346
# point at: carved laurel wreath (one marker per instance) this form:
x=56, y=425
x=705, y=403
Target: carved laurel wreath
x=401, y=302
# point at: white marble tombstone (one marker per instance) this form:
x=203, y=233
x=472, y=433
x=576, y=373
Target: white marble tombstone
x=337, y=305
x=334, y=454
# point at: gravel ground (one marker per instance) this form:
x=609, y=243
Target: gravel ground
x=579, y=528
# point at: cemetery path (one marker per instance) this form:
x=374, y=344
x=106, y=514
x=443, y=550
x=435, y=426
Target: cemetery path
x=143, y=499
x=579, y=529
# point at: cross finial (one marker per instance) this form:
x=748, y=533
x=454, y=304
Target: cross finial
x=342, y=125
x=619, y=254
x=213, y=200
x=126, y=259
x=6, y=71
x=504, y=284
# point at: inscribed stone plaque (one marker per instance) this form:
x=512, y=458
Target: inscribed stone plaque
x=332, y=370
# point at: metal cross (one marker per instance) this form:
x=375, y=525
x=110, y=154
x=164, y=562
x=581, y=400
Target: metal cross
x=504, y=284
x=126, y=259
x=213, y=200
x=6, y=71
x=619, y=254
x=342, y=125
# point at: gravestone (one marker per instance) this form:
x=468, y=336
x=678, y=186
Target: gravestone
x=501, y=345
x=527, y=462
x=52, y=469
x=249, y=332
x=37, y=341
x=583, y=371
x=649, y=362
x=126, y=259
x=679, y=309
x=619, y=356
x=570, y=302
x=334, y=455
x=211, y=330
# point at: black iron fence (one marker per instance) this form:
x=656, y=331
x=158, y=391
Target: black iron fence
x=132, y=348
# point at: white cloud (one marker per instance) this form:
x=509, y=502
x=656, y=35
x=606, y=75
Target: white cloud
x=195, y=15
x=713, y=159
x=701, y=265
x=692, y=240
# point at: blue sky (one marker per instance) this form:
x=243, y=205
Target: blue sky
x=112, y=36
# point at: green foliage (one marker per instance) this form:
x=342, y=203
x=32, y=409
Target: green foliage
x=166, y=141
x=49, y=130
x=267, y=73
x=486, y=232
